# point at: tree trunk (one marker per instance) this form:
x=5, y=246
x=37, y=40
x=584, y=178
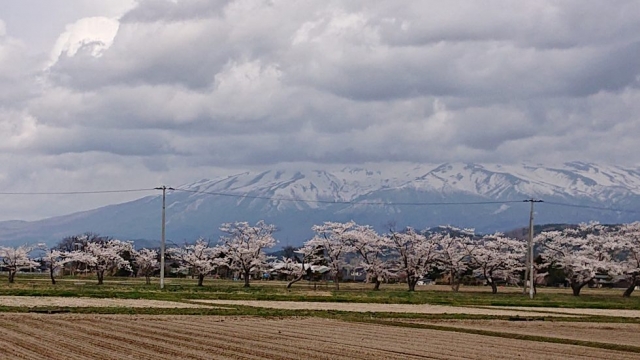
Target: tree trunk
x=494, y=287
x=53, y=280
x=246, y=279
x=100, y=274
x=294, y=281
x=148, y=279
x=337, y=283
x=12, y=275
x=412, y=284
x=627, y=293
x=455, y=282
x=577, y=287
x=377, y=286
x=492, y=283
x=200, y=279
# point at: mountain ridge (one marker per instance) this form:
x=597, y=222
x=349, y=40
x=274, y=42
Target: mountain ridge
x=296, y=199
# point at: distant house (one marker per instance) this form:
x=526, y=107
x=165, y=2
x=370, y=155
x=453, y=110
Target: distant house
x=607, y=281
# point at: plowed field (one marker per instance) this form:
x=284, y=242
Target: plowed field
x=34, y=301
x=613, y=333
x=75, y=336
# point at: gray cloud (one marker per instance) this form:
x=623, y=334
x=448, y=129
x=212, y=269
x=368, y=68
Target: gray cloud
x=191, y=88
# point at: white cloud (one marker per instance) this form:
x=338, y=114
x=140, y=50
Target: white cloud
x=95, y=33
x=169, y=91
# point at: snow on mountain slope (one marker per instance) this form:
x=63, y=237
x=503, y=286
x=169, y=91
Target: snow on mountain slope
x=377, y=195
x=496, y=182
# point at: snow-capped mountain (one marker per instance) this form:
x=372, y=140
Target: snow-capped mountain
x=488, y=197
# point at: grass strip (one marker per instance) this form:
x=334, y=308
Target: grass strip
x=240, y=310
x=554, y=340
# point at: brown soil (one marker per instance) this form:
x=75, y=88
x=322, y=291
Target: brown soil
x=596, y=312
x=53, y=301
x=75, y=336
x=369, y=307
x=623, y=334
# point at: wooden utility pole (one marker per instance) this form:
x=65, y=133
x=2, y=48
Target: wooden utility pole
x=162, y=241
x=529, y=273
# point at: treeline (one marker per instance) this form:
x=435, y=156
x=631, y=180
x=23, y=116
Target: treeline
x=577, y=255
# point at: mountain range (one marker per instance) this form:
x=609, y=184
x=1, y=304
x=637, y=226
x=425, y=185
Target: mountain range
x=487, y=197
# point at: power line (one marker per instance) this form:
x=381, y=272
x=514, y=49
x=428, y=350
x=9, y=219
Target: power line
x=339, y=202
x=592, y=207
x=346, y=202
x=77, y=192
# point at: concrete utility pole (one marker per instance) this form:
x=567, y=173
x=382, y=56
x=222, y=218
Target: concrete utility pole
x=529, y=268
x=162, y=242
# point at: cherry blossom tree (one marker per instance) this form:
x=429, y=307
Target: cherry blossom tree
x=298, y=265
x=498, y=257
x=244, y=246
x=415, y=254
x=199, y=257
x=104, y=256
x=331, y=238
x=372, y=251
x=580, y=252
x=628, y=241
x=15, y=259
x=455, y=251
x=147, y=262
x=55, y=259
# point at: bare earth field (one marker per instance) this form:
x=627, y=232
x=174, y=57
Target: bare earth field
x=623, y=334
x=369, y=307
x=596, y=312
x=35, y=301
x=76, y=336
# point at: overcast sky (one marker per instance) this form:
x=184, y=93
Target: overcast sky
x=124, y=94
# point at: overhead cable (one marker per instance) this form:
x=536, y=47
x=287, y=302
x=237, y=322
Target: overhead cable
x=345, y=202
x=77, y=192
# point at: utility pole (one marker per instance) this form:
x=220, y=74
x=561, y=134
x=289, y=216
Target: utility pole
x=529, y=268
x=162, y=242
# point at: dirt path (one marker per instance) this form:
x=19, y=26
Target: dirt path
x=369, y=307
x=77, y=336
x=54, y=301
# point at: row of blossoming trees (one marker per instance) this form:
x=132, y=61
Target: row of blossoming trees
x=407, y=254
x=578, y=253
x=240, y=250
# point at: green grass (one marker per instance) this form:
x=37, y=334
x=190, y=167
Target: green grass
x=186, y=289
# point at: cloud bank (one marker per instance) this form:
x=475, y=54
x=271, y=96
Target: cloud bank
x=171, y=91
